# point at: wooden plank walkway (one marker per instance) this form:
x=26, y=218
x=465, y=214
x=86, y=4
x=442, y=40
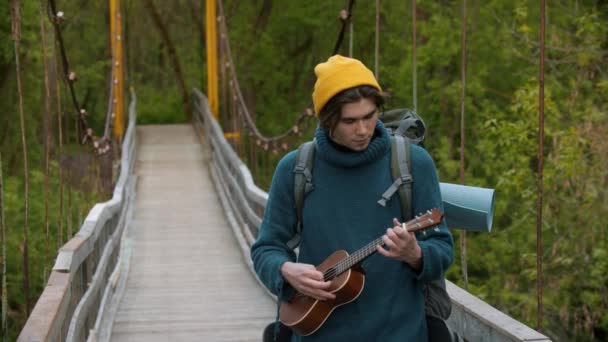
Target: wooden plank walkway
x=187, y=278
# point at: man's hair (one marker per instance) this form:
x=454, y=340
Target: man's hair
x=332, y=111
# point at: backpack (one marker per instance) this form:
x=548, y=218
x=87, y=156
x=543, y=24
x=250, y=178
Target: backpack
x=405, y=127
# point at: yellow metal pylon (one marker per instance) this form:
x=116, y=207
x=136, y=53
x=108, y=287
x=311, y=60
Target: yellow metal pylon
x=211, y=33
x=118, y=79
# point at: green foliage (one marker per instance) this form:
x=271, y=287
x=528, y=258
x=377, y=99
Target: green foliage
x=40, y=263
x=275, y=46
x=88, y=57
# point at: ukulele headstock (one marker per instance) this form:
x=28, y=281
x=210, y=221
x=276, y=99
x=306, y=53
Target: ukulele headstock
x=425, y=221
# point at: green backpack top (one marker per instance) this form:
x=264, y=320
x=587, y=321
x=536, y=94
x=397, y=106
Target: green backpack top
x=405, y=127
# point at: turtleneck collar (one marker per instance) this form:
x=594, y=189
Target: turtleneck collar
x=339, y=156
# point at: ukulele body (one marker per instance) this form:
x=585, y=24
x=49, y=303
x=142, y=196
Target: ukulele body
x=305, y=315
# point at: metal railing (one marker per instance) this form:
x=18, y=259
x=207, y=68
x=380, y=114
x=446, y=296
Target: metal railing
x=244, y=203
x=85, y=272
x=242, y=200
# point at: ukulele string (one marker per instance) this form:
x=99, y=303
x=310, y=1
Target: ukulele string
x=369, y=249
x=351, y=260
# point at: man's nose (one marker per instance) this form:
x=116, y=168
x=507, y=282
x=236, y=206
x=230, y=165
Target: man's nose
x=361, y=127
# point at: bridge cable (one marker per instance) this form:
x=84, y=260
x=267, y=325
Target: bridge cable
x=345, y=17
x=58, y=95
x=60, y=140
x=234, y=84
x=541, y=138
x=414, y=62
x=47, y=134
x=57, y=19
x=3, y=236
x=100, y=145
x=377, y=42
x=263, y=140
x=463, y=70
x=84, y=131
x=351, y=38
x=16, y=37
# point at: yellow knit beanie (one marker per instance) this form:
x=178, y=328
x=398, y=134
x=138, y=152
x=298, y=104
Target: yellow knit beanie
x=337, y=74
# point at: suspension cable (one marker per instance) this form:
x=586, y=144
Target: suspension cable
x=60, y=140
x=16, y=37
x=345, y=17
x=83, y=130
x=539, y=202
x=47, y=152
x=463, y=69
x=377, y=43
x=234, y=84
x=109, y=117
x=414, y=80
x=3, y=232
x=351, y=38
x=56, y=19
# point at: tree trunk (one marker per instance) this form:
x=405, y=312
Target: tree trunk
x=162, y=29
x=262, y=19
x=195, y=10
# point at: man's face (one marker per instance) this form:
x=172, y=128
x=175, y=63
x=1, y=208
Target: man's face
x=356, y=125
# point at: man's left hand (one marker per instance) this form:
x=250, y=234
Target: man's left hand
x=401, y=245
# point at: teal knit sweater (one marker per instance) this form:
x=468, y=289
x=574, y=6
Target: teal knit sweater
x=342, y=213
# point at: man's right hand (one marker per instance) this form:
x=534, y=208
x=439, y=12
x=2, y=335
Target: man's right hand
x=307, y=280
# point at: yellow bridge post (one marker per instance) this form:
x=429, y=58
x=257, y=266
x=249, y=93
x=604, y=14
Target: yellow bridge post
x=116, y=39
x=211, y=33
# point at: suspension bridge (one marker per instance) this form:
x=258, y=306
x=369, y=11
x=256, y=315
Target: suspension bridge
x=167, y=257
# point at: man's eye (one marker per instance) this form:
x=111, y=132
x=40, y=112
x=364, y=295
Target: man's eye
x=370, y=115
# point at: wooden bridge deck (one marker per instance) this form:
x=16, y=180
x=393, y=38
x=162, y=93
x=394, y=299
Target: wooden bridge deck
x=187, y=279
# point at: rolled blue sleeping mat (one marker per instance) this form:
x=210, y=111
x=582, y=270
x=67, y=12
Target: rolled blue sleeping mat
x=467, y=207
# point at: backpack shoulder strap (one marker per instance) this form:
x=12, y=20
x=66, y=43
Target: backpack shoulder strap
x=437, y=301
x=401, y=168
x=401, y=175
x=302, y=184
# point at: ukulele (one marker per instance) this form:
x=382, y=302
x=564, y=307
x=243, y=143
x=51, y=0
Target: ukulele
x=305, y=315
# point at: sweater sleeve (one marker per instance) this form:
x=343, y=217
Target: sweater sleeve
x=270, y=251
x=437, y=244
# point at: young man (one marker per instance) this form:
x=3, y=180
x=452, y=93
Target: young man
x=351, y=172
